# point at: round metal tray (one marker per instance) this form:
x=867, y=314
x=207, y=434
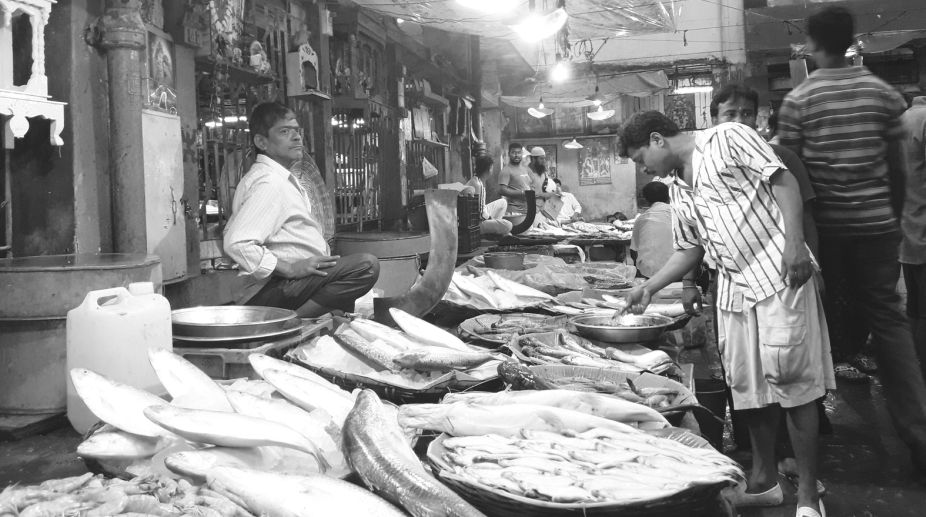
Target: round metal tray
x=230, y=322
x=651, y=327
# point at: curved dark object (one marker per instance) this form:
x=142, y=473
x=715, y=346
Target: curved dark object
x=530, y=199
x=430, y=288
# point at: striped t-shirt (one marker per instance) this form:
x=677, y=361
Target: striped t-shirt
x=839, y=121
x=731, y=212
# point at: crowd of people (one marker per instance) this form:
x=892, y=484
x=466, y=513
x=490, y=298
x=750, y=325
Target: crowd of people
x=839, y=203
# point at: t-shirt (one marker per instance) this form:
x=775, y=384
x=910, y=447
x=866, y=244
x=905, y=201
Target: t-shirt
x=839, y=122
x=517, y=177
x=652, y=238
x=796, y=167
x=913, y=222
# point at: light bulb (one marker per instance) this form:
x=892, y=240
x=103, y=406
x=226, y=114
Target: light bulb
x=560, y=72
x=537, y=27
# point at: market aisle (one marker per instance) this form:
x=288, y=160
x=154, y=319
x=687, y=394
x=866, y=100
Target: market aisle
x=864, y=465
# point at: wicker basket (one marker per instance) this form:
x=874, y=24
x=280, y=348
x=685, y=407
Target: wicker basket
x=396, y=394
x=696, y=501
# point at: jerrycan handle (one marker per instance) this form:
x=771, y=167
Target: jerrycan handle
x=92, y=301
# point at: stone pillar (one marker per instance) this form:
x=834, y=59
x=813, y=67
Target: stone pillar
x=123, y=38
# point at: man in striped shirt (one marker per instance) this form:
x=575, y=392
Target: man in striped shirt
x=273, y=236
x=744, y=209
x=845, y=124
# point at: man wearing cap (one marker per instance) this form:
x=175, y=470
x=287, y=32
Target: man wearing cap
x=549, y=202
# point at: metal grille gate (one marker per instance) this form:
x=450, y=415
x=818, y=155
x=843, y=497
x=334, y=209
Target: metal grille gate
x=359, y=135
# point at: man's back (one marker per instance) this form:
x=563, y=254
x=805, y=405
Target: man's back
x=652, y=238
x=839, y=122
x=913, y=248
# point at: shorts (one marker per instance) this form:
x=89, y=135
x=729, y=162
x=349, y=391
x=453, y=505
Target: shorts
x=778, y=351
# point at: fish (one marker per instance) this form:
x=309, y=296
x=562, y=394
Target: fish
x=605, y=406
x=231, y=430
x=188, y=386
x=473, y=289
x=375, y=351
x=119, y=405
x=520, y=290
x=316, y=429
x=505, y=420
x=427, y=333
x=441, y=359
x=281, y=495
x=197, y=464
x=370, y=330
x=310, y=396
x=120, y=445
x=262, y=363
x=387, y=464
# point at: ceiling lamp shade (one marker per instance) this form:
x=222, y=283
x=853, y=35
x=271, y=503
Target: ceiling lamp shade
x=600, y=114
x=540, y=111
x=595, y=97
x=539, y=26
x=490, y=6
x=573, y=144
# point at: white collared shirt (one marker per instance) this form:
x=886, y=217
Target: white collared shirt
x=271, y=220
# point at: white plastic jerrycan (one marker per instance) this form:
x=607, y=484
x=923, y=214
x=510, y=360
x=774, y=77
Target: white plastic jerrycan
x=110, y=333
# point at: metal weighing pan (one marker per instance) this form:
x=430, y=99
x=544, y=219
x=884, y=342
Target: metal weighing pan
x=633, y=328
x=230, y=321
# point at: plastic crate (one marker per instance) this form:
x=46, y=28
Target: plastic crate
x=468, y=212
x=232, y=363
x=468, y=239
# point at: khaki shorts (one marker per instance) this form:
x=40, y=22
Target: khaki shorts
x=777, y=352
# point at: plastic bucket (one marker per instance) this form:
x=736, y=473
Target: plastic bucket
x=712, y=394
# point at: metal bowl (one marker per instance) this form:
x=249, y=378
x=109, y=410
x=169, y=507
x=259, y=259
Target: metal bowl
x=504, y=260
x=229, y=321
x=632, y=328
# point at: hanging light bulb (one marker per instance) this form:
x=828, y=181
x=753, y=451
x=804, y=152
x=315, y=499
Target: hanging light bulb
x=490, y=6
x=595, y=98
x=540, y=111
x=560, y=71
x=573, y=144
x=539, y=26
x=600, y=114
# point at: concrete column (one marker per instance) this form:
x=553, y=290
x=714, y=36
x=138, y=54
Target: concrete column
x=123, y=40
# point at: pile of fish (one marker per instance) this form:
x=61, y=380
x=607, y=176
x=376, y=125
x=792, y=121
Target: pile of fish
x=289, y=423
x=421, y=347
x=96, y=496
x=519, y=377
x=597, y=465
x=388, y=466
x=492, y=292
x=566, y=348
x=500, y=328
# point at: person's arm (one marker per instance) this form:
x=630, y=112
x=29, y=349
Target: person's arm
x=810, y=230
x=796, y=266
x=897, y=175
x=790, y=129
x=679, y=264
x=504, y=177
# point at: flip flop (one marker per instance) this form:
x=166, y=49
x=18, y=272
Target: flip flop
x=849, y=373
x=771, y=497
x=806, y=511
x=792, y=478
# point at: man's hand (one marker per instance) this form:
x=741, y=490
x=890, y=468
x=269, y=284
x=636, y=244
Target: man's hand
x=691, y=300
x=638, y=299
x=311, y=266
x=796, y=267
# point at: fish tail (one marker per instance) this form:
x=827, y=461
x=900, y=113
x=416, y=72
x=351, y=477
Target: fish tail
x=322, y=462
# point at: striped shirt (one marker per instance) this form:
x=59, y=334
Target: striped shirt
x=271, y=220
x=839, y=121
x=730, y=211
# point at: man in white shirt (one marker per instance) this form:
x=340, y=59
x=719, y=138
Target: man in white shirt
x=651, y=243
x=493, y=221
x=275, y=239
x=571, y=210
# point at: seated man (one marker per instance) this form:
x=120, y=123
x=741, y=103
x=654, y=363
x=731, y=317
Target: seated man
x=571, y=210
x=651, y=243
x=493, y=222
x=274, y=237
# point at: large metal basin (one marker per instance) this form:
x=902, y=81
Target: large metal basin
x=631, y=328
x=229, y=321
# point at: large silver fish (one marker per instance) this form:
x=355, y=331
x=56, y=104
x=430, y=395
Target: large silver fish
x=375, y=447
x=281, y=495
x=120, y=445
x=119, y=405
x=231, y=430
x=188, y=386
x=310, y=396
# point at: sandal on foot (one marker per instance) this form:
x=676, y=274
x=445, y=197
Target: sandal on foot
x=847, y=372
x=771, y=497
x=806, y=511
x=865, y=363
x=792, y=478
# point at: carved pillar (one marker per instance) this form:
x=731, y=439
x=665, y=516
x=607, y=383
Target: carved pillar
x=123, y=39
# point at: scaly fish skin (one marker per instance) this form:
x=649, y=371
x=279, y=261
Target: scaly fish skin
x=119, y=405
x=427, y=333
x=434, y=358
x=263, y=363
x=188, y=386
x=376, y=351
x=120, y=445
x=310, y=396
x=384, y=461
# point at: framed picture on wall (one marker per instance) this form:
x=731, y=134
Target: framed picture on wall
x=550, y=149
x=569, y=121
x=160, y=58
x=596, y=160
x=681, y=109
x=529, y=126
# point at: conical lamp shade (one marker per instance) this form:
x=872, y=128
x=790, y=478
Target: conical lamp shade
x=600, y=114
x=573, y=144
x=540, y=111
